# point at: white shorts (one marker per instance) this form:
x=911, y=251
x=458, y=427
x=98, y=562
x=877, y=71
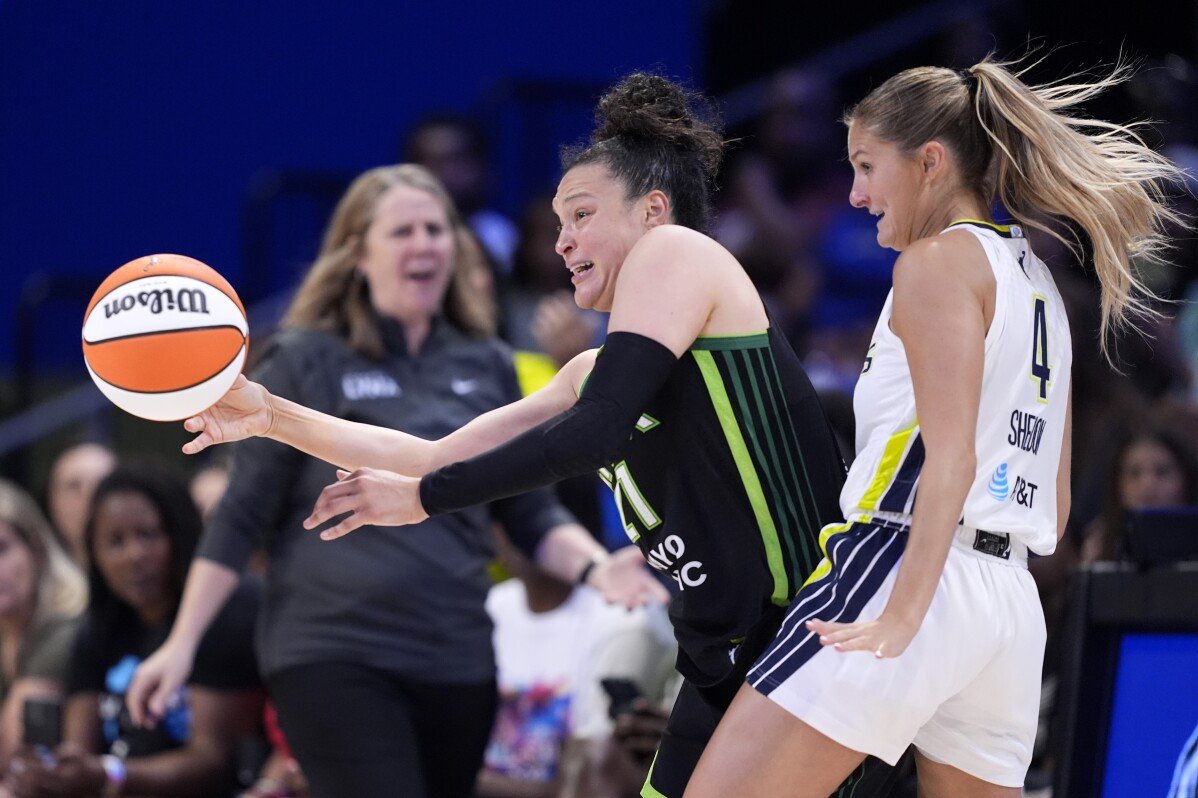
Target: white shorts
x=967, y=689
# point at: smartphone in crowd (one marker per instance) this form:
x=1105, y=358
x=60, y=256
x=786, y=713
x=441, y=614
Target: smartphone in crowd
x=42, y=719
x=620, y=693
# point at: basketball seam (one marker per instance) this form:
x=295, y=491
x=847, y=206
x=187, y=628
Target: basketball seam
x=233, y=297
x=172, y=390
x=166, y=332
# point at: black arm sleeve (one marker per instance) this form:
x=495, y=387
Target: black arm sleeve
x=629, y=371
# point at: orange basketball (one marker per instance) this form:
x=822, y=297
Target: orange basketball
x=164, y=337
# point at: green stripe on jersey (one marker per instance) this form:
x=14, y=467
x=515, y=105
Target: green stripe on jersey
x=648, y=790
x=719, y=342
x=808, y=541
x=763, y=435
x=748, y=474
x=750, y=401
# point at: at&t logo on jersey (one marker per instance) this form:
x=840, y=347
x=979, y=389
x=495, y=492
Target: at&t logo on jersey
x=999, y=488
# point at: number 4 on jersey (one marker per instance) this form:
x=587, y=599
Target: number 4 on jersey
x=1041, y=373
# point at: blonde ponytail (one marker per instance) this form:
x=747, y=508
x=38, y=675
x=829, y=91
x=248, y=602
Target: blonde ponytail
x=1016, y=141
x=1099, y=174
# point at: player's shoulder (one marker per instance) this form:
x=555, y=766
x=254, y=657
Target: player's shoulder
x=952, y=244
x=950, y=256
x=677, y=243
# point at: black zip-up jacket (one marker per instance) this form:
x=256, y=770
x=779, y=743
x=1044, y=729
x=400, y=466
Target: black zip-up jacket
x=408, y=600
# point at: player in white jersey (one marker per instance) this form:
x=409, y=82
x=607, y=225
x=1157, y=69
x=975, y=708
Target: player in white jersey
x=963, y=439
x=1020, y=419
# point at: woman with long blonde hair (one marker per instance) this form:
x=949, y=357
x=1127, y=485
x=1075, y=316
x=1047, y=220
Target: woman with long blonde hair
x=922, y=623
x=42, y=594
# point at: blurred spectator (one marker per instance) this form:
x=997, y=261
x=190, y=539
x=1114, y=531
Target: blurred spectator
x=780, y=193
x=41, y=596
x=454, y=148
x=74, y=474
x=1151, y=469
x=141, y=535
x=782, y=214
x=1166, y=91
x=553, y=646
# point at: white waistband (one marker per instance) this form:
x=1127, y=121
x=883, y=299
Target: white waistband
x=993, y=546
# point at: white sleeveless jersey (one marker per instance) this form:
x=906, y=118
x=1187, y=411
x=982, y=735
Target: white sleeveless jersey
x=1021, y=419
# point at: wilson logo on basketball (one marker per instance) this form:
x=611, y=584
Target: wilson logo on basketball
x=184, y=300
x=164, y=337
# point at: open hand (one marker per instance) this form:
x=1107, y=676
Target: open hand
x=370, y=496
x=624, y=578
x=243, y=412
x=885, y=637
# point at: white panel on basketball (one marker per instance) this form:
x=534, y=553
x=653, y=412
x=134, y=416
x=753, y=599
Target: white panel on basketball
x=161, y=303
x=162, y=406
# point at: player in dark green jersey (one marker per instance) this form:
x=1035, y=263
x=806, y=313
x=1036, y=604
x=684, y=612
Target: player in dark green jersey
x=695, y=411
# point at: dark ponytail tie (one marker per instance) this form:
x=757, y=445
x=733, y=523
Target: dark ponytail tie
x=971, y=82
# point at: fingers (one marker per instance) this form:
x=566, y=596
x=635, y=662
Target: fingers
x=327, y=509
x=825, y=627
x=156, y=706
x=198, y=444
x=343, y=528
x=861, y=643
x=335, y=499
x=657, y=592
x=836, y=634
x=133, y=698
x=646, y=591
x=852, y=637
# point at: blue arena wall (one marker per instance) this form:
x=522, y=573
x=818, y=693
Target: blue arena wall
x=135, y=127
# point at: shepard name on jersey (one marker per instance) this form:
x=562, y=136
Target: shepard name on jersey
x=1026, y=431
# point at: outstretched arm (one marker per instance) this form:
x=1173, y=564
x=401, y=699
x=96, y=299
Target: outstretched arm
x=671, y=286
x=249, y=410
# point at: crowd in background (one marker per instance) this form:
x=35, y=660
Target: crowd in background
x=125, y=534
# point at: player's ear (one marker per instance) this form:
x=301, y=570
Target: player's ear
x=932, y=159
x=657, y=208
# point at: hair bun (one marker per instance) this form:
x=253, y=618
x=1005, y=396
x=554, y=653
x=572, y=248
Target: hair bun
x=655, y=111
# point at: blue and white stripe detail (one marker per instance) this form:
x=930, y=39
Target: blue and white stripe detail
x=900, y=496
x=861, y=558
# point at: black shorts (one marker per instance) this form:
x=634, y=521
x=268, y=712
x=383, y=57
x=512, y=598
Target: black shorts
x=698, y=711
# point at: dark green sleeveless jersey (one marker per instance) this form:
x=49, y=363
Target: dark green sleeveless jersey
x=725, y=484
